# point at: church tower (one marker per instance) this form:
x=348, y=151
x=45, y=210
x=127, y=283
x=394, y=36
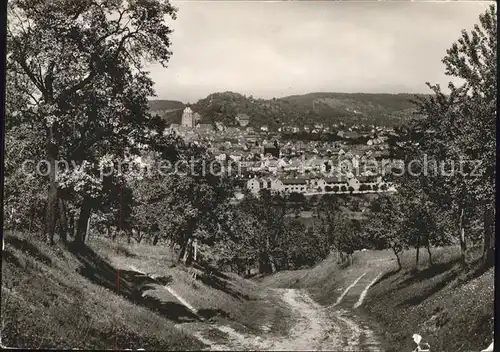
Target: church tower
x=187, y=117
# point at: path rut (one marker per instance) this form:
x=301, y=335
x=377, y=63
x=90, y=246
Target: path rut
x=315, y=328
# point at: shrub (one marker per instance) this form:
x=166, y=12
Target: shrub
x=364, y=187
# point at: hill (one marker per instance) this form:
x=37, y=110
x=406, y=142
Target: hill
x=297, y=110
x=158, y=104
x=308, y=109
x=376, y=108
x=170, y=110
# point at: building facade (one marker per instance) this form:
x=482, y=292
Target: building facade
x=187, y=117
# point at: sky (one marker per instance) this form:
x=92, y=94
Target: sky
x=276, y=49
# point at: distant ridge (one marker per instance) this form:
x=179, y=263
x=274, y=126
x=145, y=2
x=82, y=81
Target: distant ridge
x=299, y=110
x=157, y=104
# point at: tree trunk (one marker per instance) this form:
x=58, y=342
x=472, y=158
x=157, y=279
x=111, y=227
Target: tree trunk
x=83, y=219
x=51, y=213
x=63, y=221
x=265, y=266
x=189, y=253
x=430, y=254
x=71, y=227
x=156, y=239
x=397, y=258
x=87, y=230
x=52, y=196
x=184, y=246
x=417, y=257
x=463, y=244
x=488, y=234
x=276, y=265
x=32, y=217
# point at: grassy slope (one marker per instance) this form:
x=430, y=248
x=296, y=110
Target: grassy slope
x=58, y=298
x=451, y=309
x=223, y=297
x=48, y=303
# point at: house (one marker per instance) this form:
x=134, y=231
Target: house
x=294, y=185
x=272, y=165
x=293, y=165
x=264, y=128
x=242, y=119
x=336, y=183
x=196, y=118
x=351, y=135
x=174, y=126
x=219, y=126
x=235, y=156
x=253, y=185
x=205, y=127
x=221, y=157
x=272, y=149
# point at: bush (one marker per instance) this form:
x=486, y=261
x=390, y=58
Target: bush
x=351, y=189
x=343, y=188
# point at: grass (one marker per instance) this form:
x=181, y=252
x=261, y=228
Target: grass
x=450, y=307
x=222, y=297
x=56, y=297
x=327, y=276
x=47, y=303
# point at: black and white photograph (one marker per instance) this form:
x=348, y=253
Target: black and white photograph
x=187, y=175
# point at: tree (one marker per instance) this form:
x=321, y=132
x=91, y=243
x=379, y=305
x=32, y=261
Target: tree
x=461, y=126
x=327, y=213
x=76, y=66
x=385, y=226
x=297, y=201
x=183, y=205
x=348, y=236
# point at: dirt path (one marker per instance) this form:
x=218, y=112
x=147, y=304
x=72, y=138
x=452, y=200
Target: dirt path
x=315, y=328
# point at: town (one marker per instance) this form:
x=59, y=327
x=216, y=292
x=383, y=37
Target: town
x=348, y=160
